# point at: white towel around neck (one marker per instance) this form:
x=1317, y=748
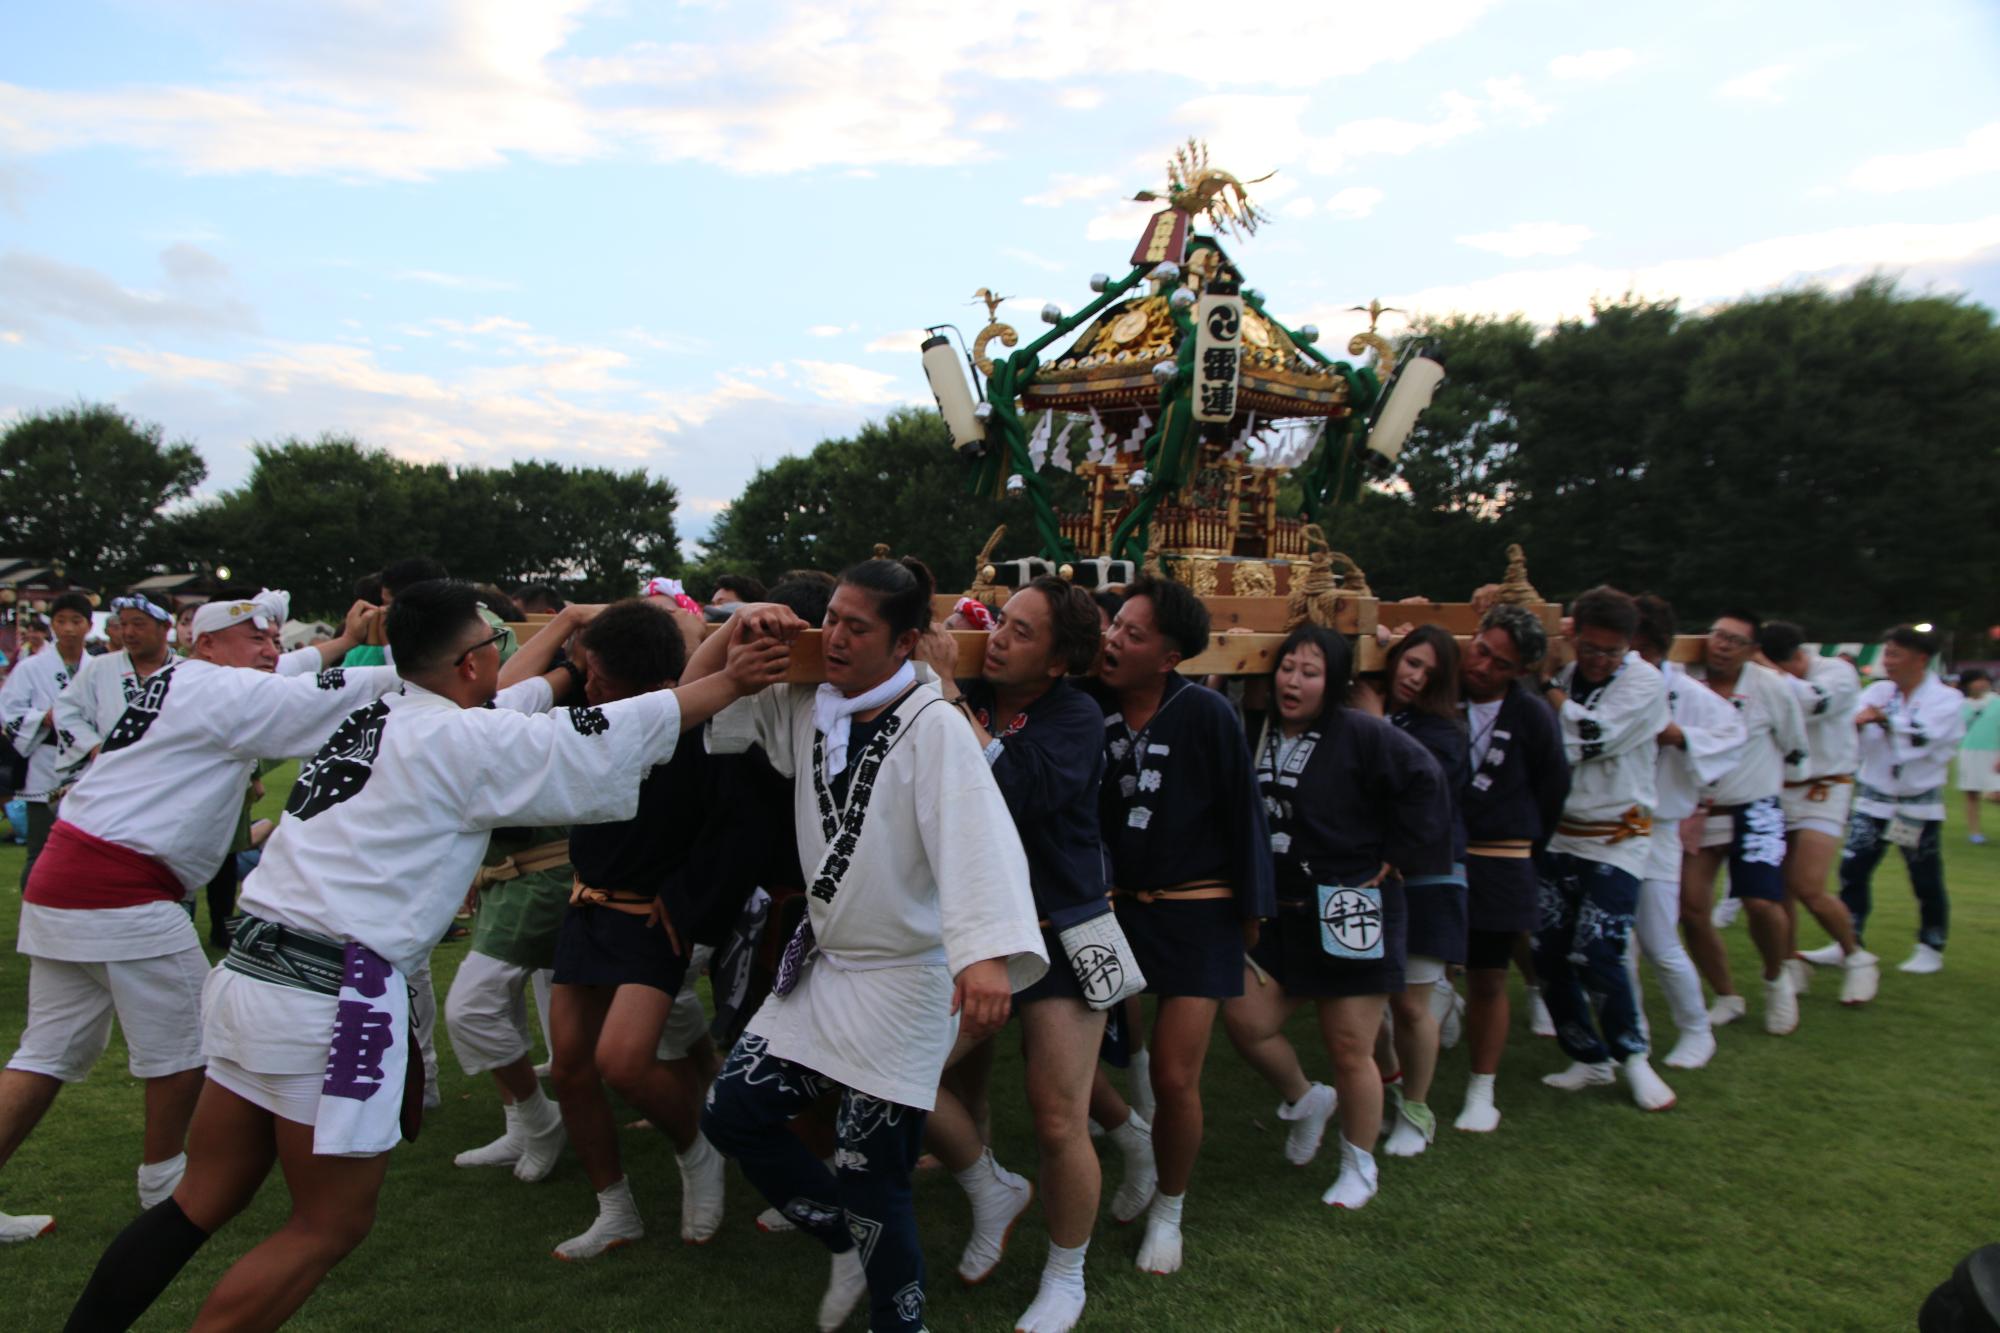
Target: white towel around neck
x=833, y=712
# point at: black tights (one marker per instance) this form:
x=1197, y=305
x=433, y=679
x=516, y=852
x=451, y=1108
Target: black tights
x=135, y=1269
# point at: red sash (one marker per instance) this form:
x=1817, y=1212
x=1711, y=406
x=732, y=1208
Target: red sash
x=79, y=871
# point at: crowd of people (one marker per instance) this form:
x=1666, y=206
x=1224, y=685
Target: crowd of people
x=878, y=872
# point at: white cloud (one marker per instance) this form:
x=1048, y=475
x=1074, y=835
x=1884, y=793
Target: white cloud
x=354, y=88
x=676, y=343
x=1252, y=133
x=1524, y=239
x=1065, y=188
x=1976, y=156
x=1836, y=257
x=463, y=282
x=1757, y=85
x=1355, y=202
x=12, y=337
x=1593, y=66
x=825, y=330
x=1298, y=208
x=36, y=288
x=839, y=382
x=903, y=342
x=1121, y=222
x=1029, y=257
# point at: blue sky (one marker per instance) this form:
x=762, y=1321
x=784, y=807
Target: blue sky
x=697, y=237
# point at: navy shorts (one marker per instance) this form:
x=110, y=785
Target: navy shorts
x=1186, y=948
x=1438, y=910
x=601, y=946
x=1503, y=893
x=1059, y=982
x=1756, y=843
x=1289, y=948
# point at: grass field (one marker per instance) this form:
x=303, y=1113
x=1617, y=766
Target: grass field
x=1823, y=1181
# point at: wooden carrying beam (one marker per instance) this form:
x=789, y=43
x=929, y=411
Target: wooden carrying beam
x=1237, y=654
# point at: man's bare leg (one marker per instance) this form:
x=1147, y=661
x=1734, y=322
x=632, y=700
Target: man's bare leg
x=1487, y=1013
x=170, y=1103
x=333, y=1210
x=998, y=1197
x=1061, y=1037
x=230, y=1146
x=1704, y=941
x=669, y=1093
x=1181, y=1030
x=576, y=1020
x=1809, y=863
x=24, y=1099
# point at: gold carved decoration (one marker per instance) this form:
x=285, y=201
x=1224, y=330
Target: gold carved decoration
x=1199, y=190
x=994, y=329
x=1385, y=352
x=1514, y=589
x=1253, y=578
x=1202, y=576
x=1129, y=326
x=983, y=588
x=1256, y=331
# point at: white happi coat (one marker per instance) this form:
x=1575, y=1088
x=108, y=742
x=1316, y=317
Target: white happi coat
x=1712, y=733
x=169, y=783
x=388, y=823
x=1829, y=696
x=1776, y=736
x=1612, y=745
x=1905, y=763
x=935, y=881
x=95, y=697
x=25, y=700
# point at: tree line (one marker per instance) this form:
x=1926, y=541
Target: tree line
x=1828, y=457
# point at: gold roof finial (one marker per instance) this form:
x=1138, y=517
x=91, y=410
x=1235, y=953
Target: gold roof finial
x=994, y=329
x=1199, y=190
x=1385, y=351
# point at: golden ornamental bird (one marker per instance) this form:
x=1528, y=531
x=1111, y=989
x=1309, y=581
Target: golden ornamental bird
x=1197, y=189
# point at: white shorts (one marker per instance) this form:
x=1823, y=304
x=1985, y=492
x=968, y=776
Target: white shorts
x=1828, y=816
x=687, y=1023
x=293, y=1097
x=1976, y=772
x=486, y=1013
x=157, y=1000
x=1422, y=970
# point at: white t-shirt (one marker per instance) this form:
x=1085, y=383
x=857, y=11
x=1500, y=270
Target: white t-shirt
x=25, y=701
x=1612, y=744
x=936, y=880
x=1829, y=696
x=389, y=822
x=1775, y=728
x=169, y=782
x=1480, y=720
x=1909, y=758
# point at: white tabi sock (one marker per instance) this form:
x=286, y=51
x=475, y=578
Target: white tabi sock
x=1142, y=1083
x=1160, y=1251
x=1581, y=1075
x=1480, y=1115
x=998, y=1198
x=1134, y=1140
x=1308, y=1115
x=542, y=1136
x=1358, y=1179
x=16, y=1227
x=158, y=1180
x=701, y=1191
x=1059, y=1303
x=617, y=1224
x=503, y=1151
x=844, y=1290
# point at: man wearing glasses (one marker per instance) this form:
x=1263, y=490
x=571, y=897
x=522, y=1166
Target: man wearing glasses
x=106, y=923
x=1612, y=706
x=1745, y=826
x=1519, y=782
